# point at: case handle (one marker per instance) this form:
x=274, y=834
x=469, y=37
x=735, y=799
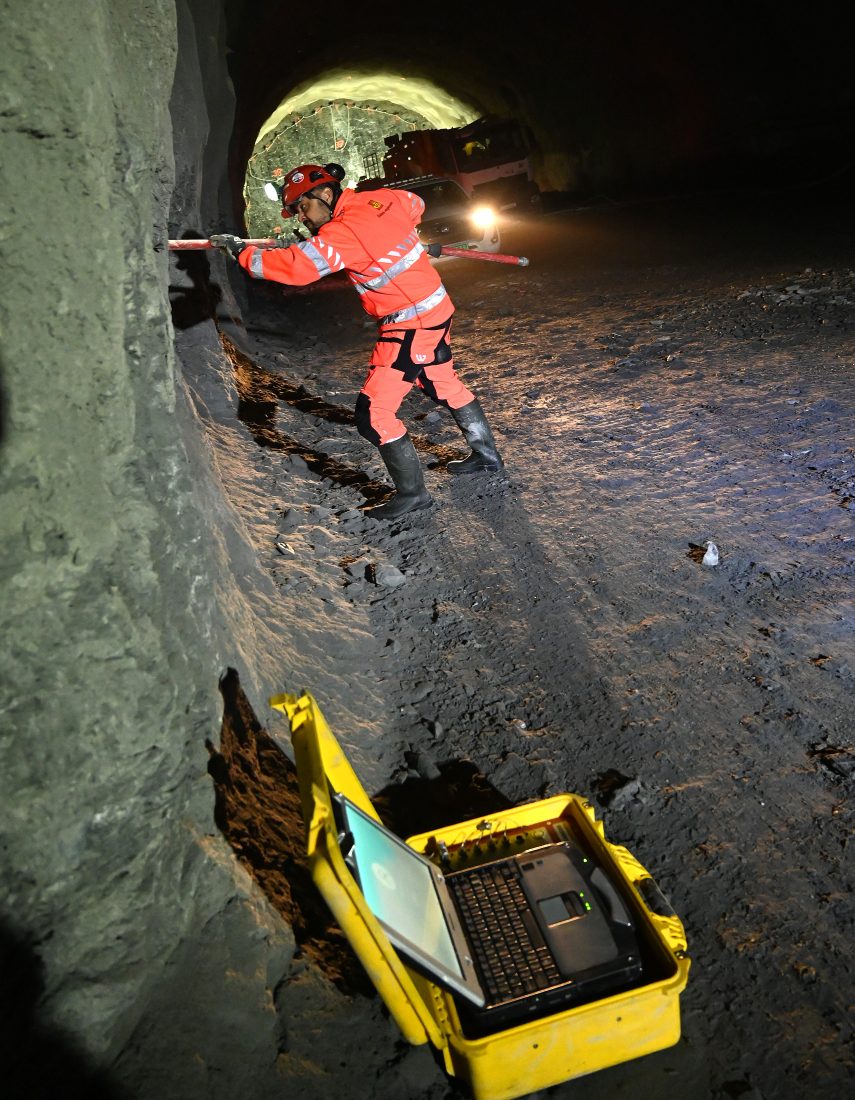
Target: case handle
x=653, y=897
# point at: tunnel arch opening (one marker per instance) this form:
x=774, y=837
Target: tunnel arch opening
x=342, y=116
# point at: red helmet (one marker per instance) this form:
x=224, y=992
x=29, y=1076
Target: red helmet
x=302, y=179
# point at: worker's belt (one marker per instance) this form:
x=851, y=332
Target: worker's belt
x=409, y=312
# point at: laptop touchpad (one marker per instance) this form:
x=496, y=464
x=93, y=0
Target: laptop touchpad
x=561, y=908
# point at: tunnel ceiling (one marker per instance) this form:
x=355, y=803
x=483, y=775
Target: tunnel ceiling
x=429, y=76
x=342, y=116
x=439, y=107
x=613, y=96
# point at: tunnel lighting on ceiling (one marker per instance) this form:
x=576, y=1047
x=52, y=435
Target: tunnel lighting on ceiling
x=271, y=192
x=438, y=106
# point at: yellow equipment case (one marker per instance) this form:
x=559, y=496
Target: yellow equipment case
x=541, y=1052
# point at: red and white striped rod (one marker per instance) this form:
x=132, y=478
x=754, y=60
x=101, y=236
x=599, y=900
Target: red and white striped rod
x=271, y=242
x=193, y=246
x=495, y=257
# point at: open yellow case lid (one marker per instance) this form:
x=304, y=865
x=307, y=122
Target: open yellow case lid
x=322, y=767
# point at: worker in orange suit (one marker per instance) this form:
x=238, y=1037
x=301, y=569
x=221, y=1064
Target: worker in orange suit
x=372, y=236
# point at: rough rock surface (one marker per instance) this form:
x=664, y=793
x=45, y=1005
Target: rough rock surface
x=182, y=535
x=137, y=954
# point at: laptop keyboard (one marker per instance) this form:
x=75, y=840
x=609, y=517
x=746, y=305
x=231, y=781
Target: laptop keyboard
x=506, y=943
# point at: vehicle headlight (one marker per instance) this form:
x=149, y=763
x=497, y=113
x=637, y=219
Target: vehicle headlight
x=483, y=217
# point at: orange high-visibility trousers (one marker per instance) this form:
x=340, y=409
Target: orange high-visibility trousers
x=404, y=358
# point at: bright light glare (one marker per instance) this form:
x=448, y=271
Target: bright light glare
x=439, y=107
x=483, y=217
x=271, y=192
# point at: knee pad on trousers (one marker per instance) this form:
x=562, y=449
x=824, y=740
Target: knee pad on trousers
x=363, y=420
x=443, y=351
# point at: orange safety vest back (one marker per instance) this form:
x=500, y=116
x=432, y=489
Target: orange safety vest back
x=372, y=236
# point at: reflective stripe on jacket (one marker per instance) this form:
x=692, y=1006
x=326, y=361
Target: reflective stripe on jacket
x=372, y=236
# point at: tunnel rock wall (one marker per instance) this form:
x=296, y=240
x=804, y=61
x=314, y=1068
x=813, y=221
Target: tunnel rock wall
x=138, y=959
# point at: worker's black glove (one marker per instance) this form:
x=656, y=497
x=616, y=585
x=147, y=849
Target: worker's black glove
x=434, y=250
x=226, y=242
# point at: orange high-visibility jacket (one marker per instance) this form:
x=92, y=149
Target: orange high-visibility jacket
x=372, y=236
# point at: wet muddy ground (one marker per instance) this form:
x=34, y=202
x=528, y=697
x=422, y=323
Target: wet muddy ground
x=661, y=376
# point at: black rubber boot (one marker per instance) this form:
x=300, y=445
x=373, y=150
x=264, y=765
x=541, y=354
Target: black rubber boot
x=485, y=457
x=405, y=469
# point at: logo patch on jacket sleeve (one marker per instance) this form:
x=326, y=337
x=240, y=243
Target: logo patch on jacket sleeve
x=377, y=205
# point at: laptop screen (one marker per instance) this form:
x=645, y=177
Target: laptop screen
x=399, y=887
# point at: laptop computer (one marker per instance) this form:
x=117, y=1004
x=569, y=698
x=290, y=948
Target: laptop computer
x=517, y=937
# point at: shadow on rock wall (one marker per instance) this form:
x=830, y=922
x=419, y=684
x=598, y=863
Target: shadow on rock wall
x=39, y=1061
x=257, y=808
x=436, y=796
x=192, y=295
